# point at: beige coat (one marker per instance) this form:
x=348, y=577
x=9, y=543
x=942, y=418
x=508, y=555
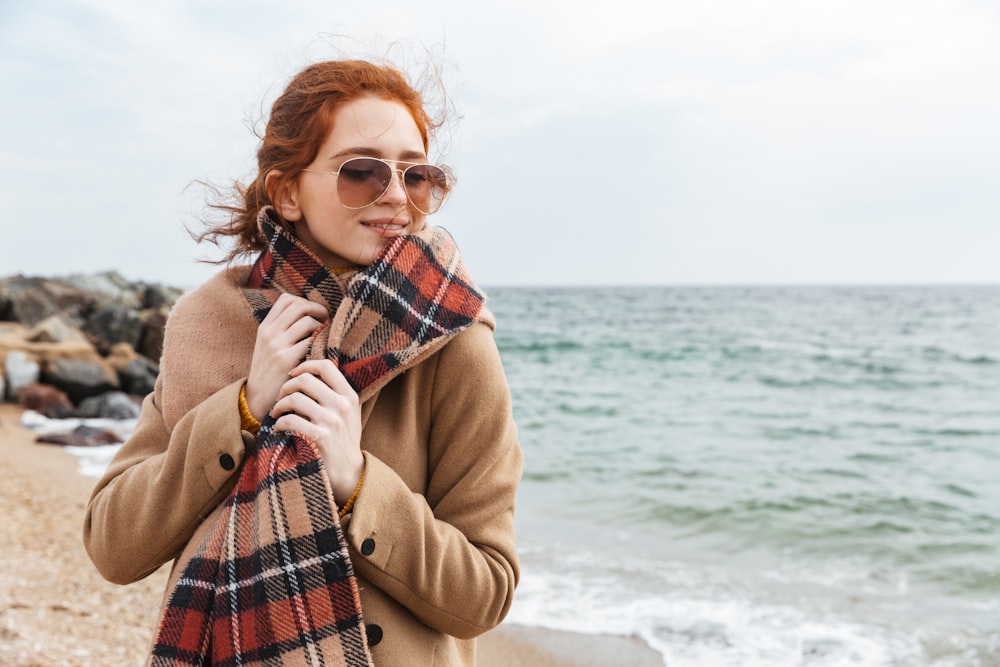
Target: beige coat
x=436, y=511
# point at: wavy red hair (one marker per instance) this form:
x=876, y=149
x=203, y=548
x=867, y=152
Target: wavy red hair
x=300, y=120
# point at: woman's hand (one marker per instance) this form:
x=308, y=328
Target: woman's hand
x=282, y=342
x=319, y=403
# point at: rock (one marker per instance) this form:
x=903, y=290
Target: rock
x=112, y=405
x=139, y=376
x=121, y=356
x=48, y=400
x=113, y=324
x=31, y=300
x=154, y=323
x=79, y=379
x=54, y=329
x=25, y=303
x=82, y=436
x=20, y=371
x=158, y=296
x=109, y=287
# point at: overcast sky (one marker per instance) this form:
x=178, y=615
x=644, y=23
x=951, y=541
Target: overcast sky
x=660, y=142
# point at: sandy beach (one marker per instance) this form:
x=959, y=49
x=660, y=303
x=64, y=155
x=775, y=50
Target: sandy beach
x=56, y=610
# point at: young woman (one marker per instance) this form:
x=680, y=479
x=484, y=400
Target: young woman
x=329, y=456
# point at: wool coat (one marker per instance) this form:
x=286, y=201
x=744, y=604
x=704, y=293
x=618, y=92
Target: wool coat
x=431, y=535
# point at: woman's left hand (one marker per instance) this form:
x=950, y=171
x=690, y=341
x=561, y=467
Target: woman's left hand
x=319, y=403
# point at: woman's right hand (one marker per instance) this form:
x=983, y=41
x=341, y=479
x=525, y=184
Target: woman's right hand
x=282, y=343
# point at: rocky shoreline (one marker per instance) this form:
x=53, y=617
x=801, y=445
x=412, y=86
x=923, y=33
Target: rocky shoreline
x=81, y=346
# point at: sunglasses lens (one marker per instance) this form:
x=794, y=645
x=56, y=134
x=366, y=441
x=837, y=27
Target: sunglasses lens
x=426, y=185
x=362, y=180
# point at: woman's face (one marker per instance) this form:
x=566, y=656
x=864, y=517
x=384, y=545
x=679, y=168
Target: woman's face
x=341, y=236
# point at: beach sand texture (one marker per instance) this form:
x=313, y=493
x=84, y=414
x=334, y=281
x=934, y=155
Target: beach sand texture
x=56, y=610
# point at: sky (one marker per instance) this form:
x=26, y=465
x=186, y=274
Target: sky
x=735, y=142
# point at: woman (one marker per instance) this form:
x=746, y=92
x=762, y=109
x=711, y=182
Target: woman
x=329, y=455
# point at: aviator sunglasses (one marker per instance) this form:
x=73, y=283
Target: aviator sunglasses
x=361, y=181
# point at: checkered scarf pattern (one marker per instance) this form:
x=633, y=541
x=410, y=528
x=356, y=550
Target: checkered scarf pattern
x=272, y=583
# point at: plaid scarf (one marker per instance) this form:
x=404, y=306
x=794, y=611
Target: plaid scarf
x=272, y=583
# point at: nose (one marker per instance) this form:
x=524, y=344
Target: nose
x=395, y=194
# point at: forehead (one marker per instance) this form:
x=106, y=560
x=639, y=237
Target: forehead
x=376, y=123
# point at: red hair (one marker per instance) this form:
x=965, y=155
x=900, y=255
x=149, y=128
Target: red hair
x=300, y=120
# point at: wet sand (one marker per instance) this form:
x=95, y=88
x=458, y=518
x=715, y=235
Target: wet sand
x=56, y=610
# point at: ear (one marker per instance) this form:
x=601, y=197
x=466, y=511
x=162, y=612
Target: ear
x=285, y=197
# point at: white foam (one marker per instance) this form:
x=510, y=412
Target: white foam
x=94, y=460
x=694, y=615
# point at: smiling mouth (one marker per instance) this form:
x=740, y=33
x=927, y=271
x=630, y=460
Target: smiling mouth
x=386, y=230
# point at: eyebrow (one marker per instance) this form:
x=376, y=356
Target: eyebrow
x=372, y=152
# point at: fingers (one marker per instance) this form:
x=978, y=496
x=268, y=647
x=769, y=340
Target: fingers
x=321, y=382
x=328, y=372
x=283, y=340
x=292, y=319
x=318, y=403
x=296, y=307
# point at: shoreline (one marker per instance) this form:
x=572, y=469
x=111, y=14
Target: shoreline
x=55, y=609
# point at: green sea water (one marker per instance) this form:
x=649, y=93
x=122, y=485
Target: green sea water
x=761, y=476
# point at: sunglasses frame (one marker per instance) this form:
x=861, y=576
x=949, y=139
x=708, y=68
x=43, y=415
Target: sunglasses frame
x=402, y=180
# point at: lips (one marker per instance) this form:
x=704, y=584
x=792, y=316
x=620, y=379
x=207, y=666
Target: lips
x=387, y=228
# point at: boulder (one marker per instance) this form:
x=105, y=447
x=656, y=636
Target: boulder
x=154, y=323
x=20, y=371
x=82, y=436
x=158, y=296
x=138, y=377
x=113, y=324
x=109, y=287
x=79, y=379
x=48, y=400
x=31, y=300
x=55, y=329
x=122, y=354
x=111, y=405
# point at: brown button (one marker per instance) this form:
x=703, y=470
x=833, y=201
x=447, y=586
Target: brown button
x=374, y=633
x=368, y=547
x=227, y=462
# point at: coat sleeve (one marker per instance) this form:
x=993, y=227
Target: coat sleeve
x=449, y=555
x=162, y=483
x=181, y=460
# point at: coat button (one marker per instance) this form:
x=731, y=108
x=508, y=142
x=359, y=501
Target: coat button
x=227, y=462
x=368, y=548
x=374, y=633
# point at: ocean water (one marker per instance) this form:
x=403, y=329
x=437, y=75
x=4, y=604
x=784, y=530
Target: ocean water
x=761, y=476
x=758, y=476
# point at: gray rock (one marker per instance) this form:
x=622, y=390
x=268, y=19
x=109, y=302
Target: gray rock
x=31, y=300
x=139, y=376
x=111, y=405
x=113, y=324
x=108, y=287
x=20, y=372
x=79, y=379
x=159, y=296
x=26, y=301
x=154, y=323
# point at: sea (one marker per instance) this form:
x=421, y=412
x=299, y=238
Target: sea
x=759, y=476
